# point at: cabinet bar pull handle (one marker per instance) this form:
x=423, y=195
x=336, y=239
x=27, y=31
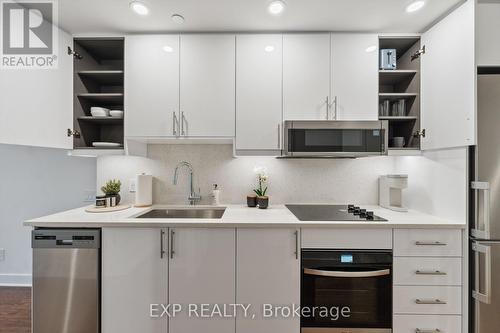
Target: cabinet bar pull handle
x=279, y=136
x=327, y=108
x=162, y=249
x=419, y=272
x=174, y=120
x=429, y=301
x=436, y=330
x=297, y=246
x=430, y=243
x=172, y=233
x=183, y=119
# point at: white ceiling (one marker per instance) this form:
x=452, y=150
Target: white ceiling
x=115, y=16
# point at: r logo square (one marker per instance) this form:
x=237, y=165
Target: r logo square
x=29, y=34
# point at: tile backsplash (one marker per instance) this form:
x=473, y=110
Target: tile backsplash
x=290, y=180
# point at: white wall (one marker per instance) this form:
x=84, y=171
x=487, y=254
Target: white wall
x=35, y=182
x=437, y=179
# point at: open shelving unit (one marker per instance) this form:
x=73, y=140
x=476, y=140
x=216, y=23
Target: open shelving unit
x=98, y=81
x=402, y=83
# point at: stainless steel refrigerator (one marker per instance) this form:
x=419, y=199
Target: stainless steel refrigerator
x=485, y=210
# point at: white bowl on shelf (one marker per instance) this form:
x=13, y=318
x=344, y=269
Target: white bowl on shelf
x=116, y=113
x=97, y=111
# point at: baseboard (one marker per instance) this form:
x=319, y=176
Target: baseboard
x=15, y=280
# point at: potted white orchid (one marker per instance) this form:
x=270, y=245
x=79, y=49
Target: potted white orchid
x=262, y=177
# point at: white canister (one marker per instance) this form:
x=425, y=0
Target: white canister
x=143, y=190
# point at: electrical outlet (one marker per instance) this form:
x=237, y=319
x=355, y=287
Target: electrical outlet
x=2, y=254
x=89, y=196
x=131, y=186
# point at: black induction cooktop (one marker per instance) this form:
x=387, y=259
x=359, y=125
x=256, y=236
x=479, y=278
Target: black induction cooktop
x=333, y=213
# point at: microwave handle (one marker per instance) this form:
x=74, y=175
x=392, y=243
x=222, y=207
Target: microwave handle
x=342, y=274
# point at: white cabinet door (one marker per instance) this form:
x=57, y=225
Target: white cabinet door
x=202, y=271
x=36, y=105
x=354, y=76
x=258, y=91
x=268, y=272
x=448, y=81
x=487, y=28
x=151, y=85
x=306, y=76
x=207, y=85
x=134, y=276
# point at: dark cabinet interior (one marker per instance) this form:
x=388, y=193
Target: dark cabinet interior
x=399, y=92
x=98, y=82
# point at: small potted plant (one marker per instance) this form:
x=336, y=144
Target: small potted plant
x=112, y=190
x=262, y=198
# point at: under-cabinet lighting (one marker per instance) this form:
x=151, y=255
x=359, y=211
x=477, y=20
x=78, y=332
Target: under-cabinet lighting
x=168, y=49
x=370, y=48
x=269, y=48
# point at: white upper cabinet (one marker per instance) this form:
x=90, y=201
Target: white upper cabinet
x=448, y=81
x=258, y=92
x=354, y=76
x=268, y=272
x=36, y=105
x=207, y=85
x=487, y=28
x=306, y=76
x=151, y=85
x=201, y=270
x=134, y=275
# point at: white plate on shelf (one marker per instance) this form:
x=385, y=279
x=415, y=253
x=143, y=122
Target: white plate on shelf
x=105, y=144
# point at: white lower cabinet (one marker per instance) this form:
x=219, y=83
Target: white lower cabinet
x=428, y=285
x=427, y=300
x=267, y=272
x=428, y=271
x=134, y=275
x=201, y=271
x=427, y=324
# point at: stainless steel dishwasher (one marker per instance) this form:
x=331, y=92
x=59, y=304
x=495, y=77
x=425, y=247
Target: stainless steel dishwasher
x=66, y=280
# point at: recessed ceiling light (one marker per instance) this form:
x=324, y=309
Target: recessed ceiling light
x=269, y=48
x=370, y=48
x=139, y=7
x=179, y=19
x=168, y=49
x=414, y=6
x=276, y=7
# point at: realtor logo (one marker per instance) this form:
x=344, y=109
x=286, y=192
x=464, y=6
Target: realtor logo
x=29, y=34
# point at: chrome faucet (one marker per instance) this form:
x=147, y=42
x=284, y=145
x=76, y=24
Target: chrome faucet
x=193, y=197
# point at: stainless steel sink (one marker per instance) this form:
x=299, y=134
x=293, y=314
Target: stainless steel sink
x=183, y=213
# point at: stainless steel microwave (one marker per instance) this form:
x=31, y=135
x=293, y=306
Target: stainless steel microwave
x=334, y=138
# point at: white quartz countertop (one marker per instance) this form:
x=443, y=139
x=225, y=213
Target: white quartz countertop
x=235, y=216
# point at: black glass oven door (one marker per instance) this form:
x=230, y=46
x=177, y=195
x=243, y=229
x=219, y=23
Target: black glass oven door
x=357, y=284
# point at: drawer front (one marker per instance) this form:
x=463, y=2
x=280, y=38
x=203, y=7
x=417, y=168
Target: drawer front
x=422, y=271
x=320, y=238
x=427, y=324
x=427, y=300
x=428, y=242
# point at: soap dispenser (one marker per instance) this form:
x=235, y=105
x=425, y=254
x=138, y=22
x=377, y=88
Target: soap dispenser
x=215, y=195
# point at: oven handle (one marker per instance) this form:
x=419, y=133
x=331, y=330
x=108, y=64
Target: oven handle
x=317, y=272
